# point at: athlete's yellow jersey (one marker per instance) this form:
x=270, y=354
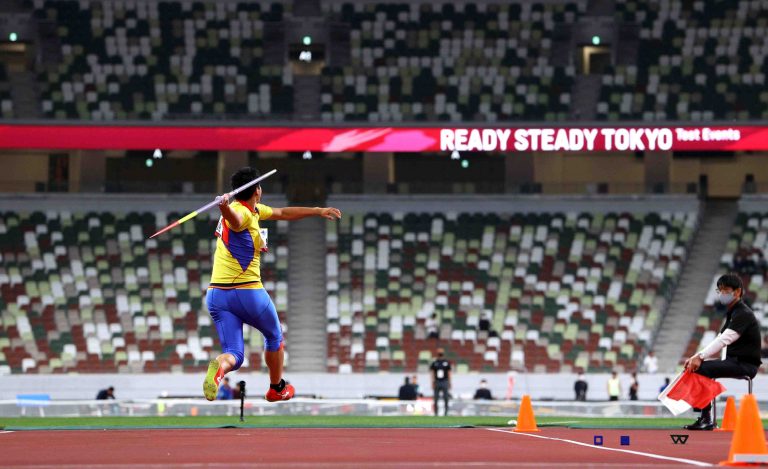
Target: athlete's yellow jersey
x=236, y=263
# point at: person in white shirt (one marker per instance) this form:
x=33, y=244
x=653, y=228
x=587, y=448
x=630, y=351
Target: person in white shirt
x=651, y=363
x=614, y=387
x=431, y=326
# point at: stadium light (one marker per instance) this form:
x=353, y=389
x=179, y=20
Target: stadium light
x=307, y=155
x=596, y=40
x=157, y=153
x=149, y=162
x=306, y=40
x=465, y=164
x=455, y=155
x=13, y=37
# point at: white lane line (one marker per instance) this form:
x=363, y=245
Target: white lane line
x=605, y=448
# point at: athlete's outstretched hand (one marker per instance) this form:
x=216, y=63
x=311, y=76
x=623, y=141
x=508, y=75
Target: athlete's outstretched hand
x=223, y=200
x=330, y=213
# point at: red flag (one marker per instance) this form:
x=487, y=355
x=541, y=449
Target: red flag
x=696, y=390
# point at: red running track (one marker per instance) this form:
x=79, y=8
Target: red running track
x=341, y=448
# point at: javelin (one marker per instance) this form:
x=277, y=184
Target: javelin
x=211, y=204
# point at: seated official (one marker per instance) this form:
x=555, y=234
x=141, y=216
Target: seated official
x=740, y=334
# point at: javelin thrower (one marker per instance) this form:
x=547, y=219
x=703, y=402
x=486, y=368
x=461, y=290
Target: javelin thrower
x=236, y=294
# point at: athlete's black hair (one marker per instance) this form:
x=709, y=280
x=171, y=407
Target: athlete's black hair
x=244, y=176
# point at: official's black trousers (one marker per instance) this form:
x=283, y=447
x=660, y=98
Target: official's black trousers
x=728, y=368
x=442, y=387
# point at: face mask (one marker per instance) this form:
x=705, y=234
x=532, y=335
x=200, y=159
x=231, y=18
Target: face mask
x=725, y=298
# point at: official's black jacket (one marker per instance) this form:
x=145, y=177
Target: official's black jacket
x=746, y=348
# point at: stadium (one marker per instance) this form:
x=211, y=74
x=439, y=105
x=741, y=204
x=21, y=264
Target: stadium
x=475, y=234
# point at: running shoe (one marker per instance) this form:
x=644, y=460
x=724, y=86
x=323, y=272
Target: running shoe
x=212, y=380
x=274, y=396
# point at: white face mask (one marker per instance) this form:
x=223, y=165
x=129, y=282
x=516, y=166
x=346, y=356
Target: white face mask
x=725, y=298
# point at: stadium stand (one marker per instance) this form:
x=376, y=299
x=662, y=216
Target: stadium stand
x=487, y=61
x=696, y=61
x=467, y=61
x=125, y=304
x=6, y=104
x=387, y=273
x=162, y=60
x=744, y=254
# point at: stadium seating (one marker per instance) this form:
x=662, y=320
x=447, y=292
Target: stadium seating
x=563, y=291
x=696, y=61
x=466, y=61
x=747, y=244
x=6, y=104
x=159, y=60
x=487, y=61
x=88, y=292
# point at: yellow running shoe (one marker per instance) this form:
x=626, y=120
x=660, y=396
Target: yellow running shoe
x=212, y=380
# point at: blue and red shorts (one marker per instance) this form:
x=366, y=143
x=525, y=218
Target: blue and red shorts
x=231, y=308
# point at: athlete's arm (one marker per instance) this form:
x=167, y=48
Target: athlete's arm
x=233, y=218
x=297, y=213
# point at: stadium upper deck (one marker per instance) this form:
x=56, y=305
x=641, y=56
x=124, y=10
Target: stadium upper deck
x=488, y=61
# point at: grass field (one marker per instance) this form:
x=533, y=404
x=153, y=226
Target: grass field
x=302, y=421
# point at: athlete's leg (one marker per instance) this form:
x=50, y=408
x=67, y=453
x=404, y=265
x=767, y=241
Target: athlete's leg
x=230, y=329
x=262, y=315
x=227, y=362
x=275, y=364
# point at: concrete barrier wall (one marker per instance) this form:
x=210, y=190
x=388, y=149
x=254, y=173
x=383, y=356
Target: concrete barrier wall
x=347, y=386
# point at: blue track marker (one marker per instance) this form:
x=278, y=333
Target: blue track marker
x=598, y=440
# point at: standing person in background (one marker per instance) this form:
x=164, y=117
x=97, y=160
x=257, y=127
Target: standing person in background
x=651, y=363
x=633, y=388
x=664, y=386
x=614, y=387
x=580, y=388
x=415, y=383
x=225, y=391
x=431, y=326
x=441, y=379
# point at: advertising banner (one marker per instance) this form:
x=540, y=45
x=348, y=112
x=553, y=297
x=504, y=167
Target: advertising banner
x=386, y=139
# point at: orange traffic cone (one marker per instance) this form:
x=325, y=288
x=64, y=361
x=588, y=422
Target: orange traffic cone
x=526, y=422
x=729, y=417
x=749, y=435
